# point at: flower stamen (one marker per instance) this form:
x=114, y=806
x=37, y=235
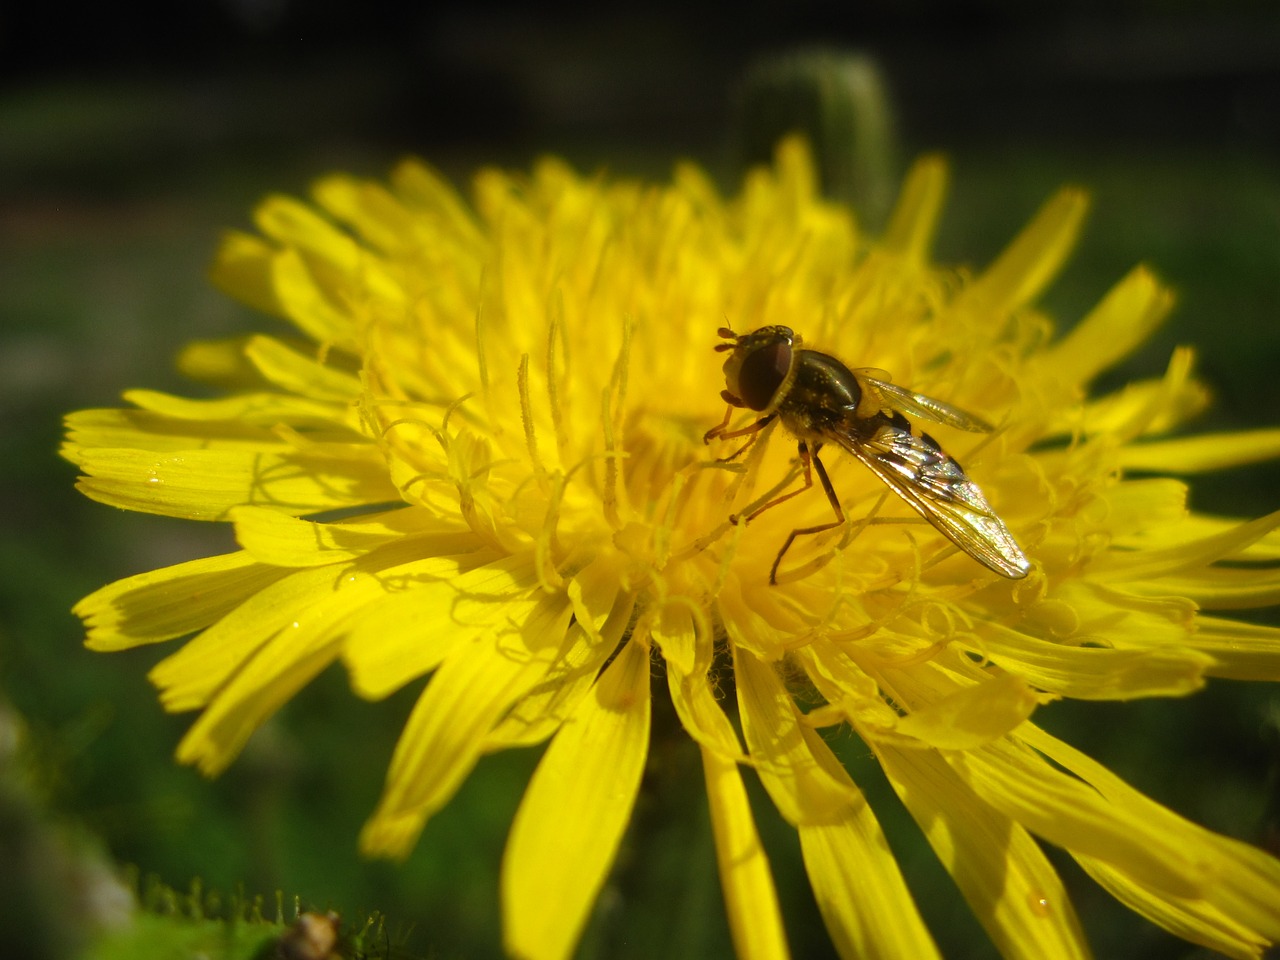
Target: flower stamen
x=611, y=455
x=526, y=420
x=546, y=545
x=556, y=331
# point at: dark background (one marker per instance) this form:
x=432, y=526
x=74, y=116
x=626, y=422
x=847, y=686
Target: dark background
x=130, y=135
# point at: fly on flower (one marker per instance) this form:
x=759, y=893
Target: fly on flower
x=820, y=400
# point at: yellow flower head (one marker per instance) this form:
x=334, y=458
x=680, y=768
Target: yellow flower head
x=479, y=456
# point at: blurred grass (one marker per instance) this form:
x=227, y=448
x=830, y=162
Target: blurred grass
x=107, y=220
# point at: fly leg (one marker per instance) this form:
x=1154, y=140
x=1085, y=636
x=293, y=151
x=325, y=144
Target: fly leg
x=805, y=457
x=808, y=482
x=751, y=431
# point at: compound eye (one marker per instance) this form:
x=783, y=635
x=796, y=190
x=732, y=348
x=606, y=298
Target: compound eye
x=762, y=373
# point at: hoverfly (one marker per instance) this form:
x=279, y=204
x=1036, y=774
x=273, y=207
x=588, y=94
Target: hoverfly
x=820, y=400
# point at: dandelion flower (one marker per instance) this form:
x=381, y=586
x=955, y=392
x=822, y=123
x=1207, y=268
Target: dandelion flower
x=476, y=460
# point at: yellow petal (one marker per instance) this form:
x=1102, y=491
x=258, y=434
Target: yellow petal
x=1196, y=921
x=1163, y=403
x=1033, y=258
x=429, y=193
x=1002, y=872
x=1241, y=881
x=675, y=630
x=221, y=363
x=262, y=683
x=593, y=591
x=915, y=217
x=701, y=715
x=1141, y=408
x=1065, y=811
x=861, y=893
x=1196, y=526
x=245, y=670
x=295, y=224
x=1213, y=451
x=452, y=601
x=190, y=677
x=90, y=430
x=1088, y=673
x=255, y=409
x=242, y=268
x=693, y=184
x=863, y=897
x=172, y=601
x=207, y=484
x=802, y=790
x=276, y=538
x=566, y=832
x=306, y=303
x=1127, y=315
x=1218, y=588
x=747, y=628
x=303, y=375
x=972, y=715
x=797, y=179
x=434, y=199
x=413, y=631
x=540, y=713
x=854, y=695
x=751, y=901
x=1137, y=508
x=1117, y=616
x=369, y=208
x=1118, y=565
x=444, y=735
x=1240, y=651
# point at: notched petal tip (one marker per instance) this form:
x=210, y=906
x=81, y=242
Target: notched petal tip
x=915, y=217
x=1035, y=256
x=241, y=268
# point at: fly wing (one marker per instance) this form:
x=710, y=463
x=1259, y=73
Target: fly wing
x=918, y=405
x=936, y=487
